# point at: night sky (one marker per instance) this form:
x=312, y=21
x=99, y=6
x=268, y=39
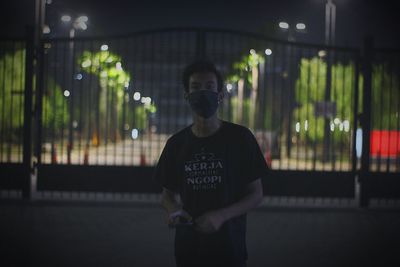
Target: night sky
x=355, y=18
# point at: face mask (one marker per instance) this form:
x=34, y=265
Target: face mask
x=204, y=103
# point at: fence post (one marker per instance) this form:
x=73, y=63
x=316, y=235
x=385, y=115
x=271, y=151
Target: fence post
x=356, y=115
x=200, y=44
x=366, y=119
x=27, y=145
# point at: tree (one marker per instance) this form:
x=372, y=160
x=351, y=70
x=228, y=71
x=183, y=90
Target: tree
x=245, y=76
x=113, y=95
x=310, y=89
x=12, y=82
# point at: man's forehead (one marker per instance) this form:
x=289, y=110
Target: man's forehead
x=209, y=76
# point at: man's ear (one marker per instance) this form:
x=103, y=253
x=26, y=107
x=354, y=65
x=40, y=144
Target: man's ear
x=221, y=96
x=186, y=96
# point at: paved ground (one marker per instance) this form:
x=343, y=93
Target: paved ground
x=118, y=234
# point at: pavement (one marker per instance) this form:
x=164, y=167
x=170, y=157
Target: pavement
x=85, y=233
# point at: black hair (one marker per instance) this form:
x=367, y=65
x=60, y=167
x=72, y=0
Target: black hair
x=201, y=66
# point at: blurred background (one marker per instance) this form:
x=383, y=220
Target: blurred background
x=91, y=90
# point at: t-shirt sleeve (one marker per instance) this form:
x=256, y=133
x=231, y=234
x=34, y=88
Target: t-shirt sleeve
x=165, y=171
x=256, y=165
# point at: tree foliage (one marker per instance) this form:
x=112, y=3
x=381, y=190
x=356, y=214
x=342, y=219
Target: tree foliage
x=114, y=82
x=12, y=84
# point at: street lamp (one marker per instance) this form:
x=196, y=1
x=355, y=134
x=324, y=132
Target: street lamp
x=300, y=27
x=330, y=21
x=78, y=23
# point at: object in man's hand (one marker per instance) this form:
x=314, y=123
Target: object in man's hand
x=182, y=221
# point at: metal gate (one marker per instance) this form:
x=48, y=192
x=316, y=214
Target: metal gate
x=105, y=107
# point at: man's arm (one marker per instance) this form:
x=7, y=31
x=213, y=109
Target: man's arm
x=168, y=201
x=173, y=208
x=212, y=221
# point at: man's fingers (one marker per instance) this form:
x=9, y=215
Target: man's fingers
x=177, y=217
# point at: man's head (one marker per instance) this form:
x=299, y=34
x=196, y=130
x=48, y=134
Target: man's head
x=201, y=68
x=203, y=87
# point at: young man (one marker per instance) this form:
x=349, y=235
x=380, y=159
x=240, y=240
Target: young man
x=216, y=167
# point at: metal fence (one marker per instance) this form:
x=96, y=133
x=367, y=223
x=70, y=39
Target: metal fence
x=116, y=101
x=385, y=109
x=12, y=85
x=112, y=102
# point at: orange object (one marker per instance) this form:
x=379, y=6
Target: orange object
x=86, y=155
x=54, y=154
x=69, y=149
x=268, y=158
x=95, y=139
x=142, y=160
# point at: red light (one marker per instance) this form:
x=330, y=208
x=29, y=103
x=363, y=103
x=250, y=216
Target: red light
x=383, y=143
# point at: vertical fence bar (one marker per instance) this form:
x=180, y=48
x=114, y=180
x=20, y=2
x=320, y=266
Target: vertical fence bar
x=355, y=114
x=307, y=120
x=397, y=159
x=27, y=145
x=366, y=118
x=333, y=99
x=39, y=102
x=3, y=101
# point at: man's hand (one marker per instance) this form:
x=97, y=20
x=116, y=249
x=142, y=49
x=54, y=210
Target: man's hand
x=209, y=222
x=176, y=217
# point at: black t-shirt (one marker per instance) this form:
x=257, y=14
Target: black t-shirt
x=210, y=173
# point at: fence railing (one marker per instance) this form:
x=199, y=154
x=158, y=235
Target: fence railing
x=114, y=101
x=12, y=88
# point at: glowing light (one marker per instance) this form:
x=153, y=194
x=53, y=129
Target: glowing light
x=336, y=120
x=126, y=84
x=306, y=125
x=321, y=53
x=136, y=96
x=135, y=133
x=86, y=63
x=252, y=51
x=83, y=19
x=81, y=25
x=75, y=124
x=67, y=93
x=46, y=29
x=118, y=66
x=332, y=127
x=78, y=76
x=359, y=142
x=104, y=47
x=283, y=25
x=66, y=18
x=298, y=127
x=229, y=87
x=346, y=125
x=300, y=26
x=146, y=100
x=268, y=52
